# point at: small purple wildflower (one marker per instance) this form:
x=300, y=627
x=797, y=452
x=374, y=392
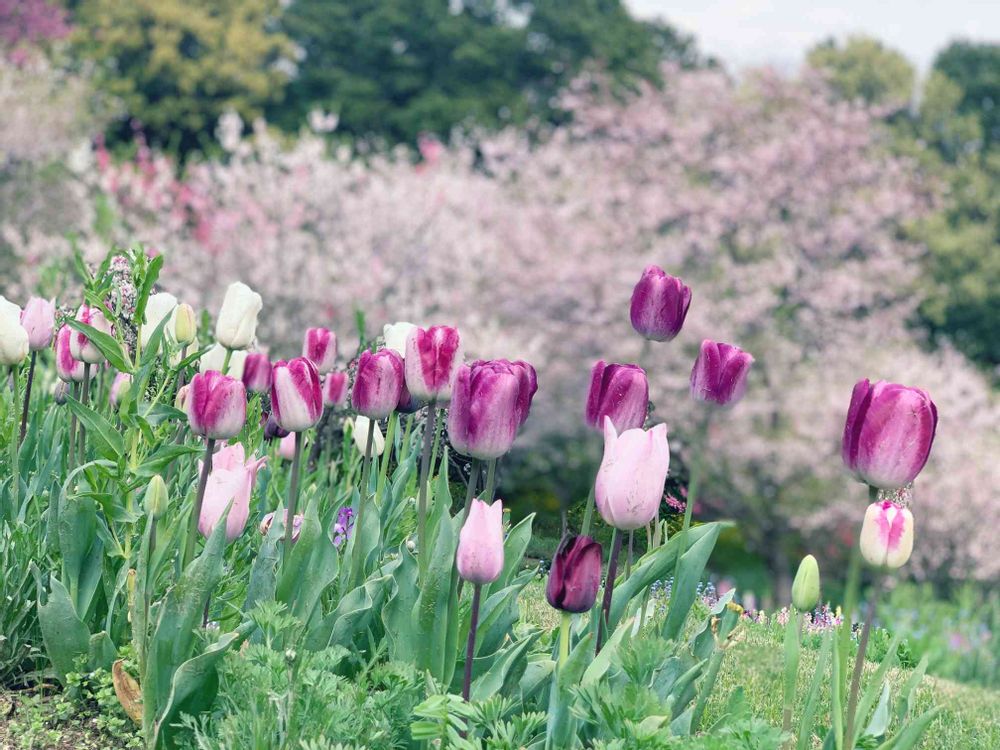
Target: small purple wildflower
x=342, y=528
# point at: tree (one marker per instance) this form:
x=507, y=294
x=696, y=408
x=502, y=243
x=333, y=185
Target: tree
x=177, y=65
x=863, y=68
x=975, y=67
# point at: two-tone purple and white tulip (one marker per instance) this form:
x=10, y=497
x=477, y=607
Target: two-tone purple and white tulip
x=39, y=319
x=620, y=392
x=320, y=348
x=378, y=383
x=659, y=305
x=230, y=480
x=68, y=368
x=888, y=433
x=296, y=394
x=257, y=372
x=335, y=389
x=719, y=375
x=887, y=535
x=433, y=356
x=80, y=345
x=480, y=543
x=216, y=405
x=575, y=576
x=630, y=481
x=489, y=402
x=267, y=520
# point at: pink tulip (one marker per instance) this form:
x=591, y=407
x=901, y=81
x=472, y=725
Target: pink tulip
x=80, y=345
x=335, y=389
x=720, y=373
x=887, y=535
x=378, y=383
x=120, y=385
x=490, y=400
x=620, y=392
x=265, y=524
x=216, y=405
x=888, y=434
x=630, y=481
x=231, y=479
x=432, y=359
x=320, y=348
x=296, y=395
x=39, y=319
x=68, y=367
x=286, y=447
x=257, y=373
x=480, y=543
x=659, y=305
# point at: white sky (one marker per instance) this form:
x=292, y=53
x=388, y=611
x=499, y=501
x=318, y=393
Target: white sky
x=778, y=32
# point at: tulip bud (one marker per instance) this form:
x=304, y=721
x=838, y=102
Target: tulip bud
x=805, y=587
x=272, y=430
x=257, y=373
x=14, y=344
x=68, y=368
x=185, y=325
x=61, y=392
x=120, y=386
x=237, y=323
x=39, y=320
x=156, y=497
x=320, y=348
x=360, y=434
x=286, y=446
x=888, y=434
x=720, y=374
x=887, y=535
x=630, y=481
x=265, y=524
x=395, y=336
x=216, y=405
x=659, y=305
x=378, y=383
x=432, y=359
x=620, y=392
x=575, y=576
x=215, y=359
x=480, y=543
x=81, y=347
x=159, y=307
x=296, y=396
x=334, y=389
x=181, y=399
x=488, y=405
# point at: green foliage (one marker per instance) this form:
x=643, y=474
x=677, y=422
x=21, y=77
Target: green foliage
x=863, y=68
x=975, y=68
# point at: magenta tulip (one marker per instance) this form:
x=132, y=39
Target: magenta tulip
x=39, y=319
x=320, y=348
x=888, y=434
x=620, y=392
x=575, y=576
x=432, y=359
x=629, y=483
x=720, y=373
x=231, y=479
x=216, y=405
x=378, y=383
x=257, y=373
x=490, y=400
x=68, y=368
x=296, y=395
x=335, y=389
x=480, y=543
x=80, y=345
x=659, y=305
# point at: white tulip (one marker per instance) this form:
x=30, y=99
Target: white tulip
x=159, y=307
x=360, y=431
x=395, y=336
x=215, y=357
x=13, y=338
x=237, y=323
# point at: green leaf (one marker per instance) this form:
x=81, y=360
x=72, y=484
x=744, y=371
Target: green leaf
x=108, y=345
x=692, y=567
x=101, y=435
x=602, y=662
x=880, y=719
x=165, y=455
x=560, y=725
x=66, y=638
x=150, y=277
x=505, y=671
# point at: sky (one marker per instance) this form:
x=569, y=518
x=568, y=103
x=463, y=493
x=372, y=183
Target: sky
x=778, y=32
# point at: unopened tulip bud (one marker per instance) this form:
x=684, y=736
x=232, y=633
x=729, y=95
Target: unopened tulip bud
x=620, y=392
x=480, y=543
x=720, y=374
x=156, y=497
x=257, y=373
x=334, y=389
x=61, y=392
x=236, y=326
x=320, y=348
x=81, y=347
x=185, y=325
x=39, y=318
x=575, y=576
x=14, y=344
x=216, y=405
x=159, y=307
x=120, y=386
x=432, y=359
x=296, y=395
x=360, y=434
x=887, y=535
x=629, y=483
x=68, y=368
x=805, y=587
x=181, y=399
x=266, y=521
x=659, y=305
x=378, y=383
x=888, y=434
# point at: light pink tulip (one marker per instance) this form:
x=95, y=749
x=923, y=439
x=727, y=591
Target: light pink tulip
x=232, y=479
x=286, y=447
x=335, y=389
x=630, y=481
x=121, y=383
x=39, y=319
x=480, y=543
x=887, y=535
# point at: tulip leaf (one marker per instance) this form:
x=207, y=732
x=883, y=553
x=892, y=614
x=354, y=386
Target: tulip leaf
x=560, y=726
x=309, y=569
x=505, y=672
x=689, y=573
x=81, y=549
x=152, y=272
x=263, y=573
x=66, y=637
x=497, y=618
x=905, y=702
x=105, y=438
x=163, y=457
x=397, y=615
x=602, y=661
x=514, y=547
x=106, y=344
x=812, y=698
x=436, y=605
x=880, y=719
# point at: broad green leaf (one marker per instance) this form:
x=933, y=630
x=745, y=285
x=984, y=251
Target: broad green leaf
x=100, y=434
x=67, y=639
x=108, y=345
x=692, y=567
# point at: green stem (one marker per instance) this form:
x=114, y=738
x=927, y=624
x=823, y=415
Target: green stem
x=225, y=361
x=390, y=441
x=859, y=666
x=793, y=639
x=470, y=646
x=71, y=450
x=199, y=499
x=470, y=493
x=357, y=563
x=425, y=463
x=84, y=398
x=27, y=396
x=564, y=637
x=491, y=480
x=438, y=423
x=628, y=557
x=609, y=586
x=15, y=468
x=589, y=513
x=293, y=497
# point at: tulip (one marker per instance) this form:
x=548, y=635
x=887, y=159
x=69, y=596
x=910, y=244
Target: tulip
x=888, y=434
x=119, y=387
x=887, y=535
x=216, y=405
x=335, y=389
x=489, y=402
x=185, y=325
x=215, y=359
x=61, y=392
x=378, y=383
x=630, y=481
x=659, y=305
x=181, y=399
x=14, y=341
x=236, y=326
x=82, y=347
x=432, y=360
x=231, y=478
x=805, y=587
x=272, y=429
x=320, y=348
x=256, y=373
x=720, y=373
x=68, y=368
x=480, y=543
x=159, y=307
x=286, y=447
x=359, y=431
x=620, y=392
x=39, y=318
x=395, y=336
x=575, y=576
x=407, y=404
x=265, y=524
x=156, y=497
x=296, y=396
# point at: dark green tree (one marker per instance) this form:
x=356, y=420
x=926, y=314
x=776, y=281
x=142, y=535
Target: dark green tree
x=975, y=67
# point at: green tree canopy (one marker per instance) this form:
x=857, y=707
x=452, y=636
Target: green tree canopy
x=975, y=67
x=864, y=68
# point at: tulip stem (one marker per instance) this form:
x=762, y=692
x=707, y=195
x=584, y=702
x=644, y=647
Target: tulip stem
x=84, y=398
x=425, y=462
x=357, y=563
x=564, y=637
x=27, y=396
x=470, y=646
x=470, y=493
x=859, y=665
x=609, y=587
x=206, y=469
x=293, y=494
x=390, y=441
x=14, y=443
x=628, y=558
x=793, y=639
x=71, y=450
x=589, y=513
x=491, y=480
x=225, y=361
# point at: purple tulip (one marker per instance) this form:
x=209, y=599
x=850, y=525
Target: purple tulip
x=257, y=373
x=296, y=395
x=272, y=430
x=575, y=575
x=659, y=304
x=407, y=404
x=378, y=383
x=720, y=373
x=888, y=434
x=480, y=543
x=216, y=405
x=320, y=348
x=490, y=400
x=334, y=389
x=432, y=359
x=620, y=392
x=39, y=319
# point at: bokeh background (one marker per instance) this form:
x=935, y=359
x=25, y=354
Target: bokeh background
x=833, y=198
